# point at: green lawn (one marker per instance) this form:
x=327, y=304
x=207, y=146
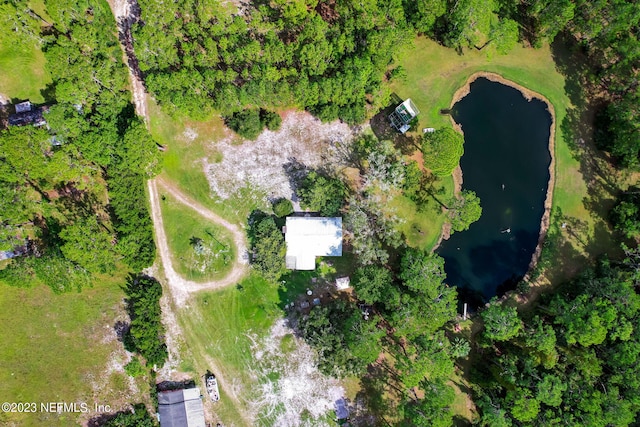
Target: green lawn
x=22, y=72
x=57, y=348
x=201, y=250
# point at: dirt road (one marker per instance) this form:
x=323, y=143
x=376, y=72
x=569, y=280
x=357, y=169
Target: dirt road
x=181, y=287
x=126, y=13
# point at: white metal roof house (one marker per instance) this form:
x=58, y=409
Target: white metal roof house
x=310, y=237
x=181, y=408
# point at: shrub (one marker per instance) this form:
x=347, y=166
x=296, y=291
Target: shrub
x=246, y=123
x=442, y=150
x=267, y=243
x=134, y=368
x=146, y=335
x=271, y=120
x=282, y=207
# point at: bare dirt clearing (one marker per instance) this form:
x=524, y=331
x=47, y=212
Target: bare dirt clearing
x=268, y=162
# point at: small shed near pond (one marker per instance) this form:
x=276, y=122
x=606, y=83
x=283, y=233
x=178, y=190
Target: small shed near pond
x=403, y=114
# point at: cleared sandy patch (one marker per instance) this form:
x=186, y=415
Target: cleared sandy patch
x=263, y=163
x=290, y=383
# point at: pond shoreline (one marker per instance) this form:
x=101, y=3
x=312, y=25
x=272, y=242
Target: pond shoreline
x=528, y=94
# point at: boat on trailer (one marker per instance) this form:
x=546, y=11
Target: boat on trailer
x=211, y=384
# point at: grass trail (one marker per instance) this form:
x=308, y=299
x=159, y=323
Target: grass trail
x=183, y=228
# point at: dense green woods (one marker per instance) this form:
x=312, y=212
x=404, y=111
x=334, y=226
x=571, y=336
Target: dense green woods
x=81, y=204
x=327, y=57
x=570, y=362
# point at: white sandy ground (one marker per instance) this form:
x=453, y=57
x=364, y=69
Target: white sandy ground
x=290, y=384
x=261, y=164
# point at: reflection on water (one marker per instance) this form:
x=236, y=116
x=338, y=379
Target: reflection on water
x=506, y=162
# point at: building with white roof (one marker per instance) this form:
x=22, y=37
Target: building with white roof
x=310, y=237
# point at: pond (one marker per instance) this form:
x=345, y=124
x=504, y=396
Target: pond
x=506, y=162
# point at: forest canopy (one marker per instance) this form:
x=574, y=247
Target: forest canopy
x=79, y=205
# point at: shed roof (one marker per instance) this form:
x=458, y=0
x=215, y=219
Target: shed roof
x=343, y=283
x=342, y=412
x=309, y=237
x=181, y=408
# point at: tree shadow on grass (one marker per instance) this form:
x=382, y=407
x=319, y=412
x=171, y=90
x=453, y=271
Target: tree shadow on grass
x=596, y=167
x=175, y=385
x=382, y=129
x=374, y=387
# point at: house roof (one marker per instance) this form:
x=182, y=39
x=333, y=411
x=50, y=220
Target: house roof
x=309, y=237
x=181, y=408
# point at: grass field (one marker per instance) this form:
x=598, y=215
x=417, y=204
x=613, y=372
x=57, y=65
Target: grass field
x=200, y=250
x=215, y=331
x=62, y=348
x=22, y=72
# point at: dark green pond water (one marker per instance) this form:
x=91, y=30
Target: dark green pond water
x=506, y=162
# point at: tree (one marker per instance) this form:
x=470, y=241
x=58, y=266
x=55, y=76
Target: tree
x=626, y=215
x=492, y=415
x=422, y=271
x=424, y=14
x=524, y=407
x=246, y=123
x=464, y=210
x=550, y=390
x=371, y=283
x=268, y=246
x=346, y=343
x=501, y=322
x=460, y=348
x=434, y=410
x=442, y=150
x=468, y=22
x=134, y=368
x=270, y=120
x=504, y=35
x=146, y=335
x=322, y=194
x=88, y=244
x=282, y=207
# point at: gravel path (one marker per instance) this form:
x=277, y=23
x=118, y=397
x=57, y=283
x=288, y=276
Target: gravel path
x=181, y=287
